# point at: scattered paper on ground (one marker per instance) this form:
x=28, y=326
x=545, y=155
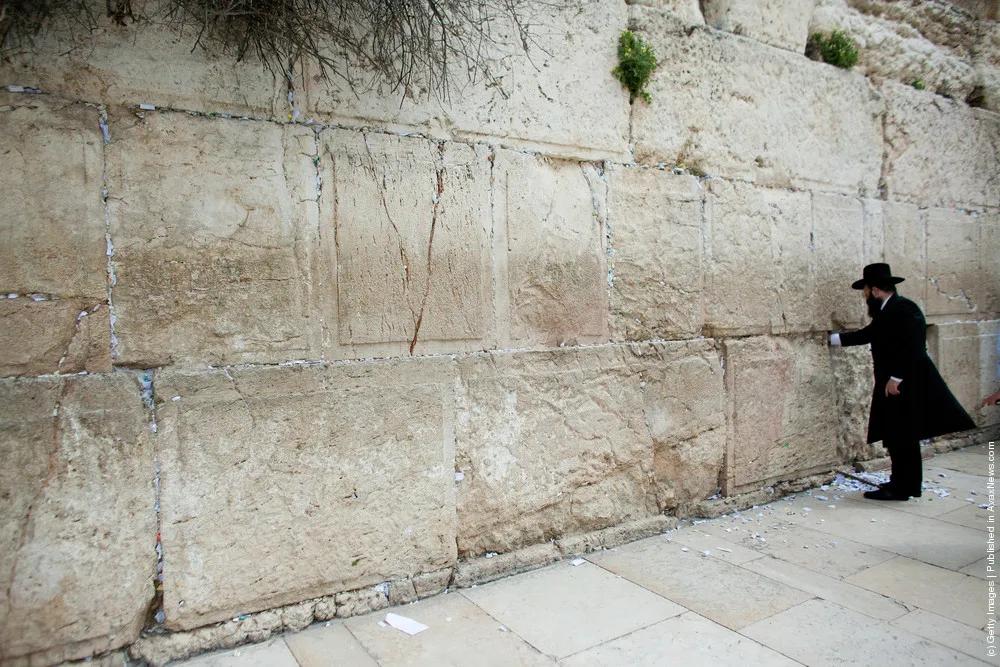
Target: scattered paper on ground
x=407, y=625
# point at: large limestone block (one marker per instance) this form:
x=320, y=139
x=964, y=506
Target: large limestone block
x=838, y=255
x=988, y=286
x=52, y=210
x=77, y=523
x=952, y=262
x=550, y=245
x=559, y=99
x=144, y=63
x=214, y=225
x=734, y=107
x=905, y=248
x=959, y=347
x=989, y=369
x=686, y=10
x=781, y=23
x=551, y=444
x=853, y=380
x=280, y=484
x=407, y=254
x=757, y=260
x=656, y=235
x=57, y=336
x=782, y=415
x=684, y=400
x=939, y=152
x=874, y=231
x=929, y=42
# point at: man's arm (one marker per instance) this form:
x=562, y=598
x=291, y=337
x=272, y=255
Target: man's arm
x=848, y=338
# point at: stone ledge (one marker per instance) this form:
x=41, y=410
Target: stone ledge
x=615, y=535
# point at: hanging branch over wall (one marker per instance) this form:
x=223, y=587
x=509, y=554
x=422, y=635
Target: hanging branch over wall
x=397, y=41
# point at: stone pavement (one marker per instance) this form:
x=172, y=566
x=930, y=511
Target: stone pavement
x=819, y=578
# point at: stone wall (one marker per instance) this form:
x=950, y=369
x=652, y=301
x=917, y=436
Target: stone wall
x=282, y=343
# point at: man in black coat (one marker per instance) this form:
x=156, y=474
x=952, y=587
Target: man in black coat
x=910, y=401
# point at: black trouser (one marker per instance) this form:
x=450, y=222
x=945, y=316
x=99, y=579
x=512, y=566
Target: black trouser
x=907, y=465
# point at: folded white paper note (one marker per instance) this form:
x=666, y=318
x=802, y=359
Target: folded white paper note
x=407, y=625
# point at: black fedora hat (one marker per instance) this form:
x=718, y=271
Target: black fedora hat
x=876, y=274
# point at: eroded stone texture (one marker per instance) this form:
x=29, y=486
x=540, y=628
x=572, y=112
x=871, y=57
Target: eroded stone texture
x=837, y=259
x=782, y=421
x=989, y=369
x=560, y=99
x=988, y=275
x=929, y=42
x=686, y=10
x=905, y=249
x=214, y=224
x=551, y=444
x=939, y=152
x=684, y=401
x=656, y=233
x=952, y=262
x=59, y=336
x=407, y=246
x=554, y=284
x=77, y=525
x=757, y=263
x=958, y=361
x=781, y=23
x=874, y=231
x=280, y=484
x=853, y=380
x=741, y=109
x=52, y=212
x=143, y=63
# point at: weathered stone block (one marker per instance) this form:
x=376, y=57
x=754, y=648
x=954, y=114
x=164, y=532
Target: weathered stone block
x=214, y=227
x=280, y=484
x=684, y=401
x=952, y=262
x=988, y=275
x=550, y=248
x=782, y=419
x=837, y=258
x=58, y=336
x=905, y=249
x=757, y=262
x=559, y=99
x=737, y=108
x=77, y=524
x=686, y=10
x=616, y=535
x=408, y=264
x=144, y=63
x=958, y=361
x=989, y=369
x=940, y=152
x=551, y=444
x=656, y=234
x=853, y=380
x=432, y=583
x=874, y=231
x=481, y=570
x=51, y=213
x=781, y=23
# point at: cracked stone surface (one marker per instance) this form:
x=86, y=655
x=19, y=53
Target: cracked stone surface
x=905, y=250
x=952, y=262
x=741, y=109
x=407, y=260
x=46, y=337
x=782, y=414
x=77, y=526
x=284, y=483
x=550, y=252
x=215, y=234
x=963, y=356
x=51, y=213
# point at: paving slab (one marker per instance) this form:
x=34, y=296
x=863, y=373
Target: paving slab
x=977, y=569
x=329, y=645
x=922, y=538
x=952, y=594
x=727, y=594
x=971, y=460
x=819, y=633
x=957, y=482
x=273, y=653
x=970, y=516
x=947, y=632
x=843, y=593
x=458, y=633
x=565, y=609
x=689, y=639
x=696, y=538
x=929, y=504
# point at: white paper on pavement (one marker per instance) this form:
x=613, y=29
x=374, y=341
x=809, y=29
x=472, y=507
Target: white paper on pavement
x=407, y=625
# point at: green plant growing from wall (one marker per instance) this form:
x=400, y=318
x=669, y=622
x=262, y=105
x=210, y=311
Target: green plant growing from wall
x=838, y=49
x=918, y=84
x=635, y=63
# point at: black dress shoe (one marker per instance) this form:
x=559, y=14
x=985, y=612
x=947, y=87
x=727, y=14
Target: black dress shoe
x=885, y=494
x=888, y=485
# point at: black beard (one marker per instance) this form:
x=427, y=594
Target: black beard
x=874, y=305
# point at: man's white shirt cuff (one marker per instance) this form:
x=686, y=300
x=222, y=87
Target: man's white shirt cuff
x=835, y=339
x=895, y=379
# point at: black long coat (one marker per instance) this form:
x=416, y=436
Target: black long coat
x=925, y=407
